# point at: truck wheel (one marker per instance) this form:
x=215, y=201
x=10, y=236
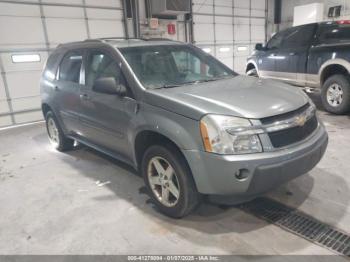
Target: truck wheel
x=56, y=135
x=252, y=72
x=169, y=181
x=335, y=94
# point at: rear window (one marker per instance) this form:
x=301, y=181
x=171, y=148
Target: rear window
x=334, y=33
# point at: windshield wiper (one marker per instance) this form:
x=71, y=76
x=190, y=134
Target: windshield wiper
x=170, y=86
x=193, y=82
x=207, y=80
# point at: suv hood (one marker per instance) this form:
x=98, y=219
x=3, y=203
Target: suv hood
x=240, y=96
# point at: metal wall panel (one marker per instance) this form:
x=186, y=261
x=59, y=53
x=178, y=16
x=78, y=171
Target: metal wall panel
x=229, y=28
x=17, y=32
x=3, y=101
x=104, y=3
x=110, y=20
x=34, y=27
x=67, y=2
x=65, y=30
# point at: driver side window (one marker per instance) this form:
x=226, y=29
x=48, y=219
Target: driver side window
x=187, y=63
x=100, y=65
x=275, y=42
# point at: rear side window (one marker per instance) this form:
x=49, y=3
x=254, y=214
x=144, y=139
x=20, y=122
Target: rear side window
x=70, y=67
x=51, y=66
x=297, y=37
x=334, y=33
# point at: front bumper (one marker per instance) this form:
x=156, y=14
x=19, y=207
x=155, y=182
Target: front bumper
x=215, y=174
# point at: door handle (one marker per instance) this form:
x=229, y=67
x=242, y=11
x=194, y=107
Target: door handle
x=84, y=97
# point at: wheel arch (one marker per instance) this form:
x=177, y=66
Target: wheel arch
x=333, y=67
x=146, y=138
x=45, y=107
x=250, y=66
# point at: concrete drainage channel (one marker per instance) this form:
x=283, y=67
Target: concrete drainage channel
x=300, y=224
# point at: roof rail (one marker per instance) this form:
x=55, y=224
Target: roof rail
x=119, y=38
x=157, y=39
x=108, y=38
x=93, y=40
x=124, y=38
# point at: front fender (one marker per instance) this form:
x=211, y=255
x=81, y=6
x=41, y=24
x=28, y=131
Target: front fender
x=181, y=130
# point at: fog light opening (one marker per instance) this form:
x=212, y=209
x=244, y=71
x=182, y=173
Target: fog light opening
x=242, y=174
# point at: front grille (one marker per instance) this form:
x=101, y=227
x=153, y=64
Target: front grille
x=291, y=135
x=272, y=119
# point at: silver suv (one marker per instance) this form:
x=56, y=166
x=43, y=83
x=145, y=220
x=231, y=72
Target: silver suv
x=187, y=122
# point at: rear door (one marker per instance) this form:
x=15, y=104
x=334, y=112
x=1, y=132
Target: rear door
x=67, y=90
x=267, y=58
x=105, y=118
x=292, y=56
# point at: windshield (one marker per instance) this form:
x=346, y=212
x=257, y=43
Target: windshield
x=173, y=65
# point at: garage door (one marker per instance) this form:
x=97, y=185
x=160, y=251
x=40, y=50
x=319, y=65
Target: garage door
x=229, y=29
x=29, y=30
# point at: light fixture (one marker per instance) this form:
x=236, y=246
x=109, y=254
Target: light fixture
x=224, y=49
x=242, y=48
x=27, y=58
x=206, y=49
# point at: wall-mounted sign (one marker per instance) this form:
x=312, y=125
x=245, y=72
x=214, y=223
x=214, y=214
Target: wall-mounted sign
x=153, y=23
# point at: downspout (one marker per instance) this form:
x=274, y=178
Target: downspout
x=137, y=19
x=191, y=36
x=278, y=14
x=125, y=20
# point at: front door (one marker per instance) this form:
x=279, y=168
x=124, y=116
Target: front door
x=293, y=54
x=267, y=58
x=105, y=118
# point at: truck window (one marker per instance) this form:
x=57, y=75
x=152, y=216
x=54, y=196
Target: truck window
x=334, y=33
x=297, y=37
x=276, y=41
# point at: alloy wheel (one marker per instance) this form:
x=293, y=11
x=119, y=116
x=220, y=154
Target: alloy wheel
x=163, y=181
x=335, y=95
x=53, y=132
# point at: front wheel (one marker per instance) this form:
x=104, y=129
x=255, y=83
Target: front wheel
x=252, y=72
x=335, y=94
x=169, y=181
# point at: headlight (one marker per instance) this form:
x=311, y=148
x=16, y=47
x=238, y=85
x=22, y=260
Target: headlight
x=218, y=138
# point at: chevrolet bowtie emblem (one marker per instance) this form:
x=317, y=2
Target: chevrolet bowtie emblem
x=300, y=120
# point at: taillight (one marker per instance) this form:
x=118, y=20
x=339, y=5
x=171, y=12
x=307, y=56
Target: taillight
x=343, y=22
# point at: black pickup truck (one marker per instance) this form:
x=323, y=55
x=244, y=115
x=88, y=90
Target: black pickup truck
x=314, y=55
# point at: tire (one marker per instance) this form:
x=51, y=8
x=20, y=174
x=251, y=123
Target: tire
x=56, y=135
x=188, y=197
x=340, y=84
x=252, y=72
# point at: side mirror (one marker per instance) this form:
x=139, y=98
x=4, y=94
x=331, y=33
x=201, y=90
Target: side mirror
x=259, y=47
x=108, y=85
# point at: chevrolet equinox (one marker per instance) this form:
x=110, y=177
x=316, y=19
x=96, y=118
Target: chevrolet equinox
x=187, y=122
